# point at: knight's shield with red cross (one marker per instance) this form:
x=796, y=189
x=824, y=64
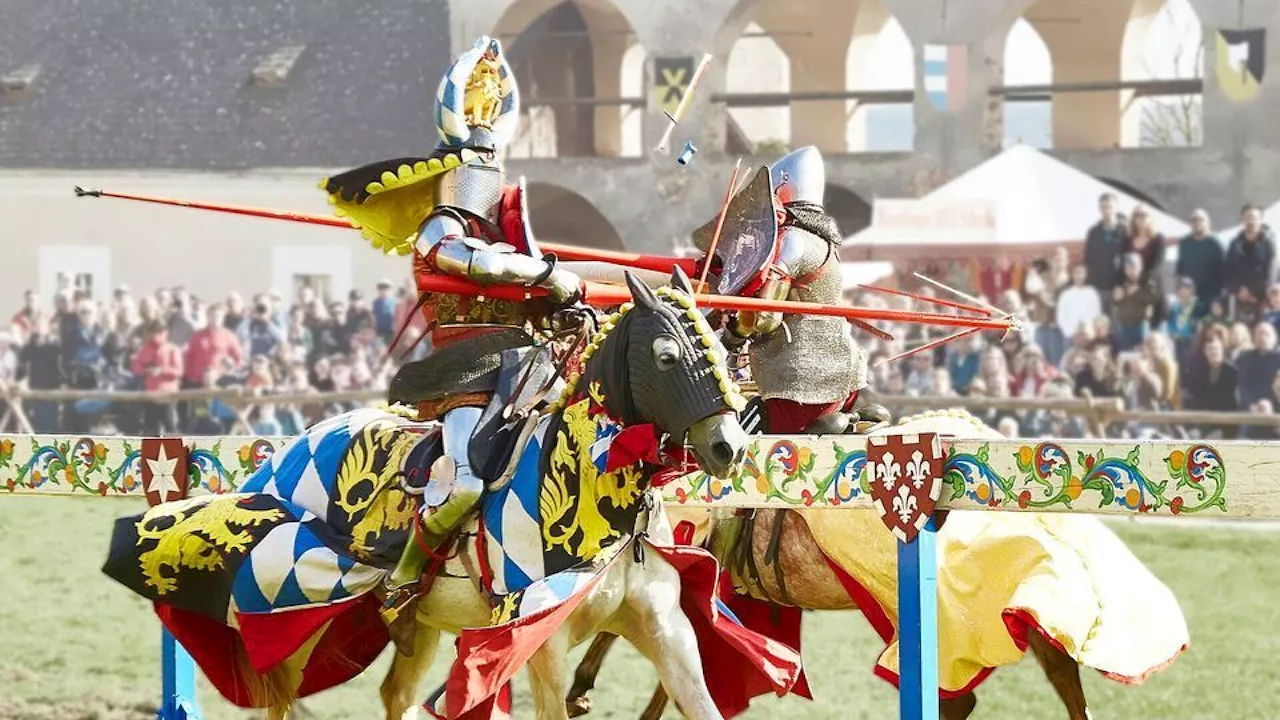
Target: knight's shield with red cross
x=906, y=479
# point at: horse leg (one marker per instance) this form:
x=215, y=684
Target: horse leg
x=1063, y=672
x=663, y=634
x=399, y=688
x=957, y=708
x=657, y=704
x=547, y=676
x=584, y=678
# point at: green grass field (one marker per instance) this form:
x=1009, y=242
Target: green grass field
x=75, y=646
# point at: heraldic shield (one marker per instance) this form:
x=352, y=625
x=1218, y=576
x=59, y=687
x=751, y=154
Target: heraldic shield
x=163, y=462
x=748, y=240
x=906, y=479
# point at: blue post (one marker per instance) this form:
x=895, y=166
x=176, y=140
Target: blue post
x=918, y=627
x=177, y=682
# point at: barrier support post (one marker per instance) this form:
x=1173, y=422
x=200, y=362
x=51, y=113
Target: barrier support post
x=177, y=681
x=918, y=626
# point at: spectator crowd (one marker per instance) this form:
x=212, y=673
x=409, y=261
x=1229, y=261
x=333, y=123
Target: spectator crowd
x=1119, y=321
x=172, y=340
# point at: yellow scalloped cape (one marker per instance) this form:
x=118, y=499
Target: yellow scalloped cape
x=388, y=200
x=1065, y=575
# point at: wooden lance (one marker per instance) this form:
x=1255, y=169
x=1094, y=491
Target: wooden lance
x=656, y=263
x=603, y=295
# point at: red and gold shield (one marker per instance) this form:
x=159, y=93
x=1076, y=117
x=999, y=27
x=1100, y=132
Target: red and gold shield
x=906, y=479
x=163, y=463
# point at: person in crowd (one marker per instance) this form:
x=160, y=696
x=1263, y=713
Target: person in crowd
x=384, y=310
x=81, y=358
x=942, y=386
x=1138, y=305
x=237, y=317
x=1200, y=260
x=1079, y=304
x=264, y=336
x=1103, y=246
x=963, y=359
x=1147, y=243
x=1031, y=371
x=213, y=348
x=297, y=333
x=1213, y=384
x=24, y=321
x=115, y=344
x=1249, y=264
x=159, y=364
x=1097, y=378
x=1008, y=427
x=1239, y=341
x=40, y=368
x=359, y=314
x=1047, y=335
x=1102, y=333
x=920, y=377
x=1257, y=367
x=1158, y=351
x=1181, y=324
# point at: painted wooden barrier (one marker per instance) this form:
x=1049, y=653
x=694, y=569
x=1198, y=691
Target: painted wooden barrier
x=1229, y=479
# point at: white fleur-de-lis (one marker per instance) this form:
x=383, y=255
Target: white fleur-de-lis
x=905, y=504
x=918, y=470
x=889, y=471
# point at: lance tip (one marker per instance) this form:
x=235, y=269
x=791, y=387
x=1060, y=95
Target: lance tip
x=81, y=192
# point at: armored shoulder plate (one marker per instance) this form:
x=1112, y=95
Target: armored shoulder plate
x=474, y=187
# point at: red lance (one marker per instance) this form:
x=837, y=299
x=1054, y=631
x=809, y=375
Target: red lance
x=604, y=295
x=656, y=263
x=597, y=294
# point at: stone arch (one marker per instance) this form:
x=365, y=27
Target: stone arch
x=1085, y=39
x=850, y=210
x=880, y=57
x=1133, y=192
x=808, y=34
x=558, y=214
x=570, y=49
x=1163, y=41
x=757, y=64
x=1027, y=61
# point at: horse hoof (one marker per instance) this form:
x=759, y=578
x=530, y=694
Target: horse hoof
x=578, y=706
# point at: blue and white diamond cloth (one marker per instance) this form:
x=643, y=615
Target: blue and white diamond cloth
x=450, y=115
x=511, y=518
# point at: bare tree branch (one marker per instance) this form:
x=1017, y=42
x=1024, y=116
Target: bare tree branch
x=1175, y=121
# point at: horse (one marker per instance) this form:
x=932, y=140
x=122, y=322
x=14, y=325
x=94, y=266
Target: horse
x=653, y=382
x=791, y=540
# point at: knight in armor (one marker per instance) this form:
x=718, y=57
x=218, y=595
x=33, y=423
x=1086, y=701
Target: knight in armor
x=779, y=243
x=453, y=212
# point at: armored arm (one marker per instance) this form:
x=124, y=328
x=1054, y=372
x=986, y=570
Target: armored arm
x=799, y=254
x=448, y=248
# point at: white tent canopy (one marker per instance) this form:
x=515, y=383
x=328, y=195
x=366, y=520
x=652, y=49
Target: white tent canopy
x=1036, y=200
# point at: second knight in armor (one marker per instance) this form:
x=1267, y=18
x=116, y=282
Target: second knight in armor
x=809, y=370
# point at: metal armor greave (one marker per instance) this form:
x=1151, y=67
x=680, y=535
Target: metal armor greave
x=457, y=427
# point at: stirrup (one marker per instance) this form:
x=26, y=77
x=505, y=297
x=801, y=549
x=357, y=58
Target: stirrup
x=397, y=599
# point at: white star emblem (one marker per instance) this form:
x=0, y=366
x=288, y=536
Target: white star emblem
x=162, y=480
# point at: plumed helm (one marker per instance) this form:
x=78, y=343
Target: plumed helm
x=478, y=103
x=799, y=177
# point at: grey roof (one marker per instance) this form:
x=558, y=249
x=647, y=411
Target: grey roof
x=166, y=83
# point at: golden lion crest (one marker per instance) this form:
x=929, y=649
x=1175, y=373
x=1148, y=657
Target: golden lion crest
x=196, y=534
x=367, y=484
x=586, y=530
